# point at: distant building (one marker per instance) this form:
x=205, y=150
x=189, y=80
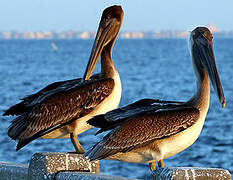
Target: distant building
x=213, y=28
x=6, y=35
x=84, y=35
x=124, y=35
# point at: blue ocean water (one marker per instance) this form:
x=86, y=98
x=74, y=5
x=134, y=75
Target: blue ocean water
x=159, y=69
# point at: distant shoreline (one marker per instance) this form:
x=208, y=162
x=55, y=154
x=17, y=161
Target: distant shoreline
x=91, y=35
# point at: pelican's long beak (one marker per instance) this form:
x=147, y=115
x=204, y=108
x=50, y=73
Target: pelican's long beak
x=208, y=60
x=104, y=35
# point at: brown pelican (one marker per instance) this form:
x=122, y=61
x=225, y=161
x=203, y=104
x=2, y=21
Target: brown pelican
x=61, y=109
x=148, y=130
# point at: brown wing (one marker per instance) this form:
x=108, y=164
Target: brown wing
x=29, y=101
x=60, y=109
x=113, y=118
x=143, y=129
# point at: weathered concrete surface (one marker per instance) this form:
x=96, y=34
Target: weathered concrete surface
x=86, y=176
x=190, y=173
x=47, y=165
x=12, y=171
x=52, y=166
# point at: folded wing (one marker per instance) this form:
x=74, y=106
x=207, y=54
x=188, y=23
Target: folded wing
x=115, y=117
x=29, y=101
x=59, y=109
x=142, y=129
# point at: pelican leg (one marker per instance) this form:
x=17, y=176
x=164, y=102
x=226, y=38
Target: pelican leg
x=77, y=145
x=161, y=163
x=152, y=166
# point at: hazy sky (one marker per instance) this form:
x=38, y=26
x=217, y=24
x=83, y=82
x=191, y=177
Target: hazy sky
x=43, y=15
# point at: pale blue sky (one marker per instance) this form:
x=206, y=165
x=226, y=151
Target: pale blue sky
x=43, y=15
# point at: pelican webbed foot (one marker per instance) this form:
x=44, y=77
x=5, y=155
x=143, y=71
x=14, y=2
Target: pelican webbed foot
x=152, y=166
x=161, y=163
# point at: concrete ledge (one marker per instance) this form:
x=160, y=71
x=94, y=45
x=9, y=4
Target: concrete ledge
x=66, y=166
x=86, y=176
x=190, y=173
x=47, y=165
x=51, y=166
x=12, y=171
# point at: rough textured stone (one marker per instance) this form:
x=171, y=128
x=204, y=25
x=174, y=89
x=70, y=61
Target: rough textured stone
x=12, y=171
x=190, y=173
x=86, y=176
x=47, y=165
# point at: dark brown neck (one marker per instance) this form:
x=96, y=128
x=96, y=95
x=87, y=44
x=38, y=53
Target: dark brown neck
x=107, y=65
x=201, y=98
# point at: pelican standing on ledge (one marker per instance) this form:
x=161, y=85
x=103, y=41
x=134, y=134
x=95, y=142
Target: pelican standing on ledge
x=61, y=109
x=149, y=131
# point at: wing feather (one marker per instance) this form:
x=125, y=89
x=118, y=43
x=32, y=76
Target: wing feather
x=28, y=102
x=143, y=129
x=60, y=109
x=115, y=117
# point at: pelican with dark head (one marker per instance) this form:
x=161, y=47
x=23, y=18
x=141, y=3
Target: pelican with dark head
x=61, y=109
x=149, y=130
